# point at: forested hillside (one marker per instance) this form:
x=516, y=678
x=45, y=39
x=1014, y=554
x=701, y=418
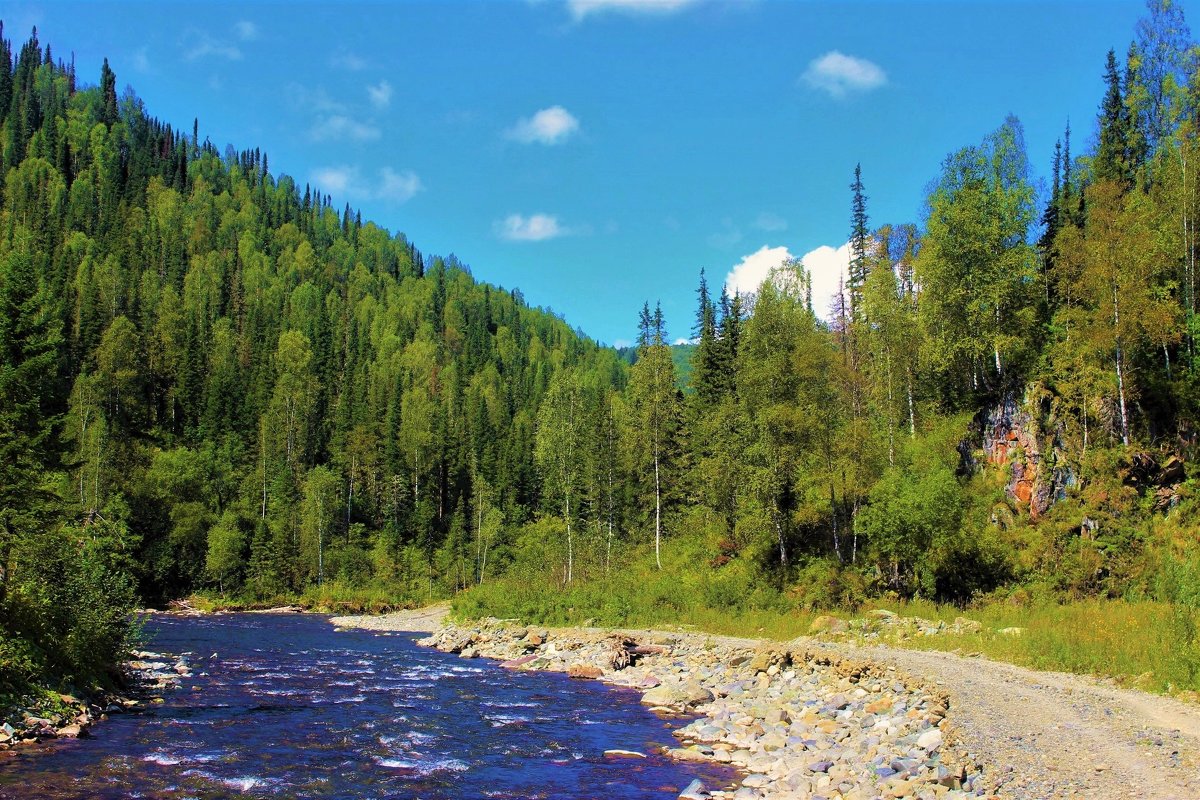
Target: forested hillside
x=213, y=380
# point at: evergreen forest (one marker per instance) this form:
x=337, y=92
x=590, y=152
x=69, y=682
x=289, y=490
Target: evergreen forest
x=215, y=381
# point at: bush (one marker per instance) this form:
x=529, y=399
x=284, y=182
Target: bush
x=72, y=596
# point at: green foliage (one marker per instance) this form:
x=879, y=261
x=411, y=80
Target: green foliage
x=211, y=380
x=66, y=612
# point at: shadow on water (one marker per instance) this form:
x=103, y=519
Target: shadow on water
x=283, y=706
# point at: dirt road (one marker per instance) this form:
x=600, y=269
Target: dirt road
x=1053, y=735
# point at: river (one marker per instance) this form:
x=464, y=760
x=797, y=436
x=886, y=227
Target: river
x=284, y=706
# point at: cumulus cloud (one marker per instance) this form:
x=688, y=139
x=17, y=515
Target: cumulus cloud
x=828, y=266
x=380, y=94
x=838, y=74
x=349, y=181
x=553, y=125
x=246, y=31
x=338, y=127
x=534, y=228
x=581, y=9
x=747, y=275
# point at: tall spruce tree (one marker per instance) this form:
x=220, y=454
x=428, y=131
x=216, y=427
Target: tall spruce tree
x=859, y=238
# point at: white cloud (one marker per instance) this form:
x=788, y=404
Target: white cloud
x=387, y=184
x=380, y=94
x=534, y=228
x=398, y=186
x=582, y=8
x=622, y=343
x=335, y=179
x=827, y=265
x=829, y=268
x=344, y=59
x=553, y=125
x=838, y=74
x=246, y=31
x=336, y=127
x=748, y=275
x=198, y=44
x=770, y=223
x=684, y=340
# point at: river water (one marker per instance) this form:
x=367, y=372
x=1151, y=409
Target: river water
x=284, y=706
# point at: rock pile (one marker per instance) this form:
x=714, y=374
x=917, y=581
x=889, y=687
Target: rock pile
x=69, y=717
x=798, y=721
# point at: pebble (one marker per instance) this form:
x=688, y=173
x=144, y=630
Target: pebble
x=799, y=722
x=146, y=672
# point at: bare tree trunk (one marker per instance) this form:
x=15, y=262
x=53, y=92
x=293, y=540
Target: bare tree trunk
x=891, y=412
x=776, y=517
x=608, y=547
x=350, y=496
x=837, y=543
x=570, y=541
x=854, y=532
x=1120, y=368
x=912, y=414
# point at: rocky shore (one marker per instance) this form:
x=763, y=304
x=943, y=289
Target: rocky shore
x=797, y=720
x=66, y=716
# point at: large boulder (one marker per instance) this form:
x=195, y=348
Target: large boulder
x=677, y=695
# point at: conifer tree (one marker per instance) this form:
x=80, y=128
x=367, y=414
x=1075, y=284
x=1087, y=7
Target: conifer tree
x=859, y=235
x=1112, y=161
x=706, y=361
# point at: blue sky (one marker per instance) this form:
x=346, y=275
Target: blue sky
x=598, y=153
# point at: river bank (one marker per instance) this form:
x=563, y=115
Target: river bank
x=1008, y=731
x=799, y=721
x=54, y=715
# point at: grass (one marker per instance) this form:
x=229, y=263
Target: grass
x=1146, y=644
x=331, y=598
x=1149, y=645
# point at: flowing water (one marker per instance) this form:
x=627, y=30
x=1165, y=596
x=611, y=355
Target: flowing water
x=284, y=706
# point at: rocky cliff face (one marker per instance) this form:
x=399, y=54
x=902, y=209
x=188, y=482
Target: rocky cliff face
x=1022, y=437
x=1025, y=438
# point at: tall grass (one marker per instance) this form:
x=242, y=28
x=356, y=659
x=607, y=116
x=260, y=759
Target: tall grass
x=1148, y=644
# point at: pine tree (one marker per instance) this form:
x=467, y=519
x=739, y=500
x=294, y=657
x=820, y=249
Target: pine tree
x=859, y=235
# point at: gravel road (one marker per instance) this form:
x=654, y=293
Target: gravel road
x=1053, y=735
